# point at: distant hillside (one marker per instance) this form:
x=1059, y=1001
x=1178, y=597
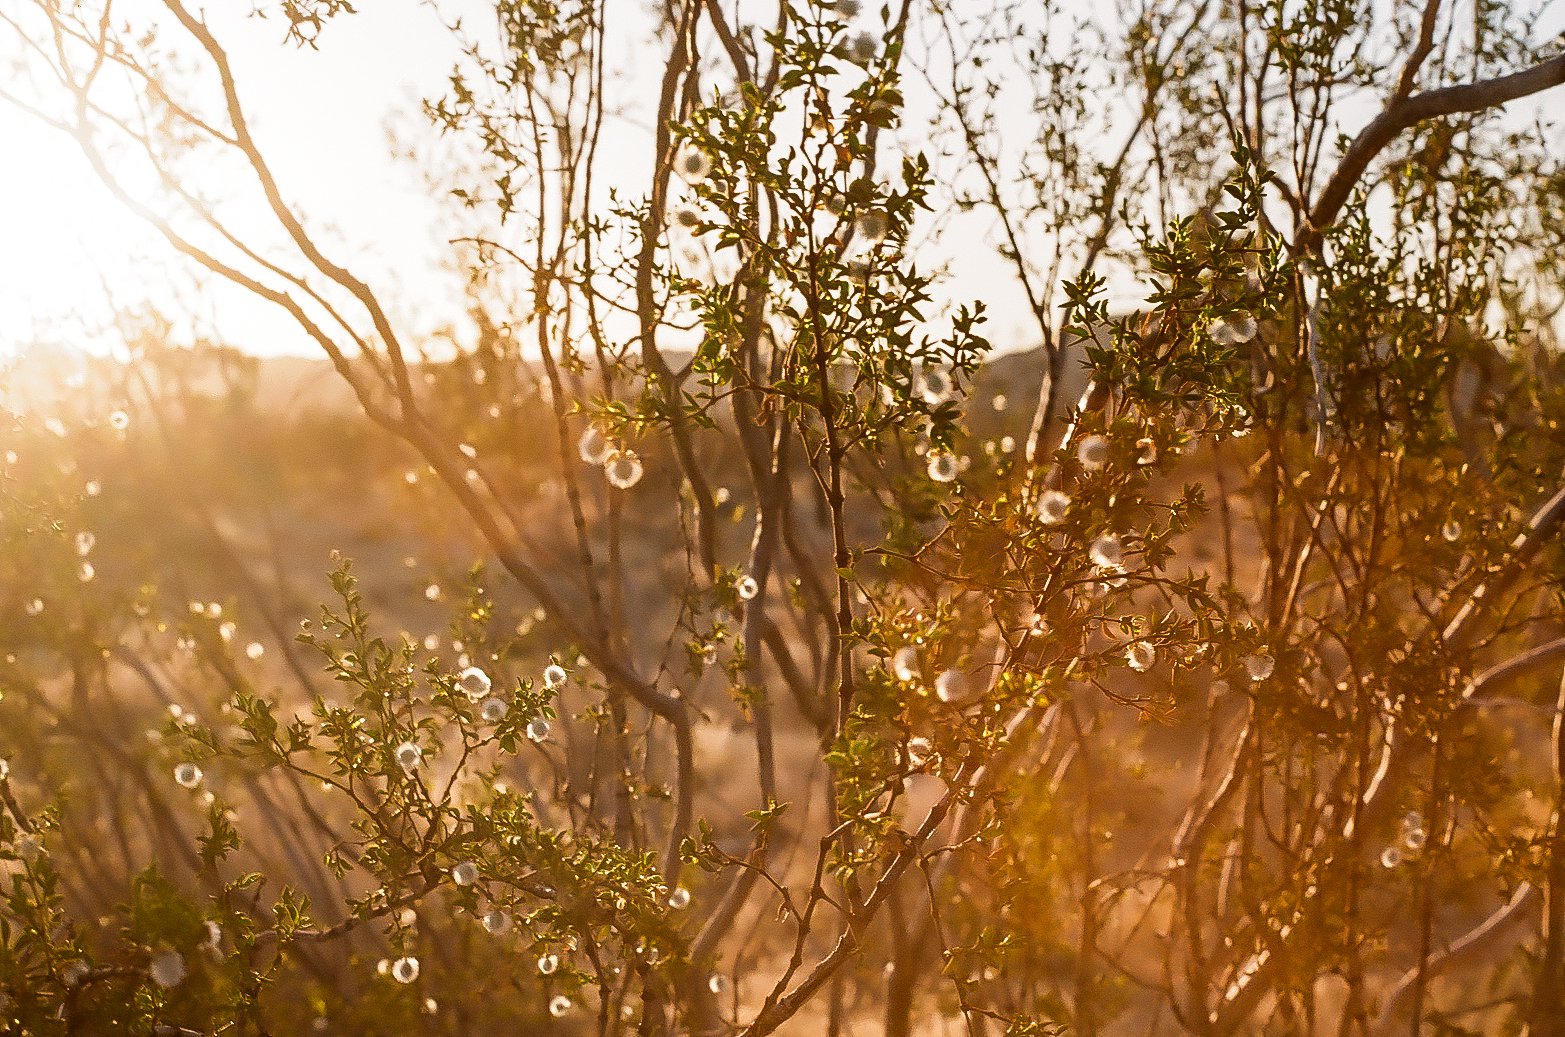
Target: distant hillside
x=50, y=380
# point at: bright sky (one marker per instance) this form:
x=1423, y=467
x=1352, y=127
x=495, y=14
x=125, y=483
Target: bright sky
x=321, y=118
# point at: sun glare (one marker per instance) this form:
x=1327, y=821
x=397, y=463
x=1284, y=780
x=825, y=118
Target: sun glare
x=71, y=252
x=75, y=258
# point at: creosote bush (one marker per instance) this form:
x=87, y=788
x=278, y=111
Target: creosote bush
x=820, y=666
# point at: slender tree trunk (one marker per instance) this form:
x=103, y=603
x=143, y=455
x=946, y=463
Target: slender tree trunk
x=903, y=977
x=1546, y=1015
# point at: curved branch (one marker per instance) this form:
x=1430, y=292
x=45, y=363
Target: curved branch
x=1513, y=913
x=1406, y=112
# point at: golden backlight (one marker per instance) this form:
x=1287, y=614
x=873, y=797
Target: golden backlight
x=72, y=254
x=69, y=250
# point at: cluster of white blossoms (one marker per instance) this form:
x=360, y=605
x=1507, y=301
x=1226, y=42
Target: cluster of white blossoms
x=692, y=164
x=1093, y=452
x=1052, y=506
x=404, y=969
x=474, y=683
x=409, y=756
x=559, y=1005
x=904, y=664
x=623, y=469
x=951, y=686
x=1413, y=835
x=594, y=447
x=679, y=899
x=1259, y=666
x=747, y=588
x=943, y=465
x=1412, y=843
x=621, y=466
x=861, y=48
x=871, y=226
x=167, y=969
x=1235, y=330
x=1107, y=552
x=687, y=216
x=187, y=775
x=935, y=385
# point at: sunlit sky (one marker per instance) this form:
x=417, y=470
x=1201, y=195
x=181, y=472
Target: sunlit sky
x=320, y=116
x=72, y=253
